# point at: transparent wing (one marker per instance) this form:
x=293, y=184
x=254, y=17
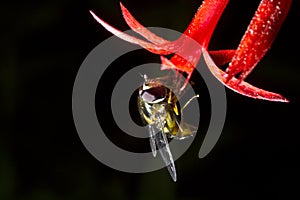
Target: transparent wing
x=185, y=131
x=164, y=150
x=151, y=130
x=158, y=139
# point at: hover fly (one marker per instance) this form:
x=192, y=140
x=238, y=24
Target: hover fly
x=160, y=110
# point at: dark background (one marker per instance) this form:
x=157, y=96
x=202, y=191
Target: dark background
x=41, y=156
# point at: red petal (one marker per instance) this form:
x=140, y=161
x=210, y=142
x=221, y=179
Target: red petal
x=200, y=28
x=198, y=34
x=239, y=86
x=259, y=36
x=147, y=45
x=140, y=29
x=205, y=20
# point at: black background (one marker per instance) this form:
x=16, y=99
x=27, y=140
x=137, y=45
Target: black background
x=41, y=156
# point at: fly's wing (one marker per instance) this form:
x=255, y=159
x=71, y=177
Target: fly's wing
x=185, y=130
x=158, y=139
x=164, y=150
x=152, y=139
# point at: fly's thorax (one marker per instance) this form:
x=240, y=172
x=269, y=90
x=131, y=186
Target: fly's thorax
x=152, y=113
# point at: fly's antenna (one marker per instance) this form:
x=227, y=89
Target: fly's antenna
x=144, y=76
x=188, y=102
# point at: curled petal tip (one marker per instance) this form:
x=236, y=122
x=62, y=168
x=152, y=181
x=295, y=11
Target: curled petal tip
x=140, y=29
x=92, y=13
x=240, y=86
x=284, y=100
x=121, y=5
x=131, y=39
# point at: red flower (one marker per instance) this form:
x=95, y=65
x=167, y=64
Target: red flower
x=256, y=41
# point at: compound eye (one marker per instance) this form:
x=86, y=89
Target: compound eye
x=154, y=94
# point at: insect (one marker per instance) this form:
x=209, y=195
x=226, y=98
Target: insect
x=160, y=111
